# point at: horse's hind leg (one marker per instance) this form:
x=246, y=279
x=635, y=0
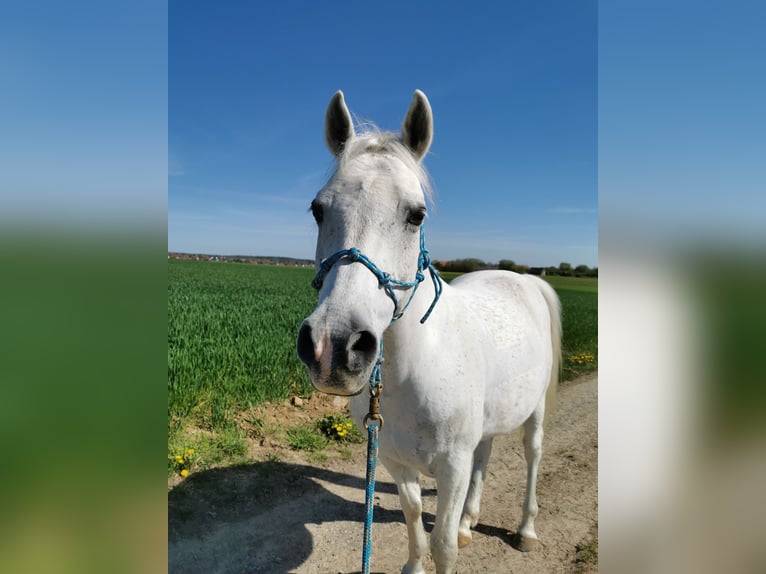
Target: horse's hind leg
x=526, y=538
x=472, y=505
x=409, y=496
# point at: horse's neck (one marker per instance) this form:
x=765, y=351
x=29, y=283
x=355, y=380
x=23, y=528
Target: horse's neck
x=406, y=337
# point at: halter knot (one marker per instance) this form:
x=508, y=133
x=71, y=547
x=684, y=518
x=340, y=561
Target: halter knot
x=354, y=254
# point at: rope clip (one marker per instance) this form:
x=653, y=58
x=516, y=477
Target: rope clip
x=374, y=413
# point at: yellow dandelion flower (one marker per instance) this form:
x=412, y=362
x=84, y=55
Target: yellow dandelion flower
x=179, y=458
x=184, y=473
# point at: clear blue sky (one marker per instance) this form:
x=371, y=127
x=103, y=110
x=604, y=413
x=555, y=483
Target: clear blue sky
x=83, y=115
x=682, y=123
x=513, y=88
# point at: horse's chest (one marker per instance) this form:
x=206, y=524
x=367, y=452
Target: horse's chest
x=415, y=449
x=421, y=435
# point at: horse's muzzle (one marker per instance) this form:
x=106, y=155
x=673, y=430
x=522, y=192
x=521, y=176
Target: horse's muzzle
x=338, y=364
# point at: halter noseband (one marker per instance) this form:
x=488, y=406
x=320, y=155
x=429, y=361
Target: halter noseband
x=386, y=281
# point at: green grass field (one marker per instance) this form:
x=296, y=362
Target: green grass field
x=584, y=284
x=231, y=338
x=579, y=317
x=232, y=329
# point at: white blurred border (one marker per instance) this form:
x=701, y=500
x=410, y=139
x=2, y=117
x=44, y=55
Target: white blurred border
x=682, y=204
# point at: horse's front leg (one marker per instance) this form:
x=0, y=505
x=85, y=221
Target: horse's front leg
x=452, y=481
x=409, y=496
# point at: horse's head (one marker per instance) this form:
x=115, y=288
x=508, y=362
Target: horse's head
x=374, y=202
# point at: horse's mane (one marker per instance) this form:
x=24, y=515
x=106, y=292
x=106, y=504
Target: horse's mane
x=370, y=139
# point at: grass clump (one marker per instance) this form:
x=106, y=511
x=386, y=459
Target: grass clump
x=586, y=558
x=318, y=456
x=186, y=454
x=305, y=437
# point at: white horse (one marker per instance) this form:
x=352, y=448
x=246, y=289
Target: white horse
x=477, y=368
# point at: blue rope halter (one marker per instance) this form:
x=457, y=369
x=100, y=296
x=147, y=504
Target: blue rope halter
x=386, y=281
x=373, y=421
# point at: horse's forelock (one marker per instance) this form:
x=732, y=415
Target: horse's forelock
x=372, y=140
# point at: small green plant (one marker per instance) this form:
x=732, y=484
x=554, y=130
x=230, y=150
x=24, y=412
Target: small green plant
x=340, y=429
x=186, y=454
x=181, y=461
x=304, y=437
x=318, y=457
x=586, y=557
x=256, y=429
x=346, y=454
x=229, y=443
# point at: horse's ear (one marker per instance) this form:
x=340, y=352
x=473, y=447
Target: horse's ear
x=418, y=126
x=338, y=126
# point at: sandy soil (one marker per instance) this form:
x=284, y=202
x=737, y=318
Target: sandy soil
x=290, y=515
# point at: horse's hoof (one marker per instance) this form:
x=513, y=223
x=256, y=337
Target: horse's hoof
x=464, y=538
x=525, y=544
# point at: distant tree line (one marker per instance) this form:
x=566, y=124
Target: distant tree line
x=472, y=264
x=461, y=265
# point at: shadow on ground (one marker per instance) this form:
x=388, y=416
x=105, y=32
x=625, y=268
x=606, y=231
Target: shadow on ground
x=257, y=514
x=253, y=518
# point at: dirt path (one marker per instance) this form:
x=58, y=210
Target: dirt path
x=292, y=516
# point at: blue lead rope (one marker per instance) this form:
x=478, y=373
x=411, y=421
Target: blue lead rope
x=372, y=459
x=373, y=421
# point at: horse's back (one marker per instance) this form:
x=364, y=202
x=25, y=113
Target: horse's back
x=503, y=289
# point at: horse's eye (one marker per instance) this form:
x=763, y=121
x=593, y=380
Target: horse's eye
x=416, y=216
x=317, y=211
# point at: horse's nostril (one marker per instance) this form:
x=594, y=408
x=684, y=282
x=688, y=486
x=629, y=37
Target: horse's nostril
x=305, y=345
x=362, y=349
x=365, y=343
